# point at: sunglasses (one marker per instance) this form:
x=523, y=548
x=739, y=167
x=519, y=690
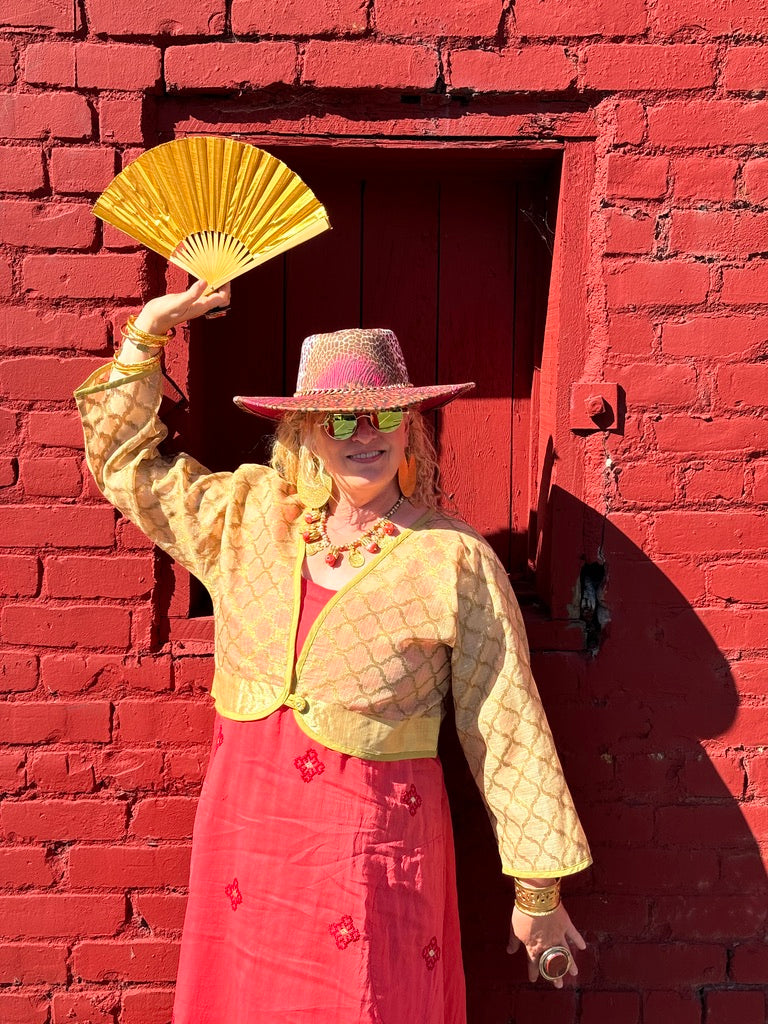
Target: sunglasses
x=343, y=425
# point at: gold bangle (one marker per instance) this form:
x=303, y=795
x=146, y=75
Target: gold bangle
x=153, y=361
x=537, y=902
x=136, y=334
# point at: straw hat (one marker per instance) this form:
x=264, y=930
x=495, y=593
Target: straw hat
x=355, y=370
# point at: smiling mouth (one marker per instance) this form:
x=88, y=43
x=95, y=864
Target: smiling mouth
x=365, y=456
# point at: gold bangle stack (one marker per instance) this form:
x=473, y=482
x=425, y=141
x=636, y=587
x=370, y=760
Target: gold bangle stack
x=537, y=902
x=145, y=342
x=144, y=364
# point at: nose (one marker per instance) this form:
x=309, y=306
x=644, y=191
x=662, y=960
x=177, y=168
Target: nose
x=365, y=429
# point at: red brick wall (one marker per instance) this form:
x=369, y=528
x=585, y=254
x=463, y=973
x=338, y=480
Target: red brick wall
x=104, y=735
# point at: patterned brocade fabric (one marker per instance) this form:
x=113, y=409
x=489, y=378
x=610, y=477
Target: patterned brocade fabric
x=432, y=615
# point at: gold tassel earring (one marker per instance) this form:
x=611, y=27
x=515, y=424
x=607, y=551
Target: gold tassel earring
x=313, y=483
x=406, y=475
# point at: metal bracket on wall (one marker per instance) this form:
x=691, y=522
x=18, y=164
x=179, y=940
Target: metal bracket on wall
x=596, y=406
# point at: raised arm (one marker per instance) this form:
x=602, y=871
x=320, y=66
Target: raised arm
x=175, y=500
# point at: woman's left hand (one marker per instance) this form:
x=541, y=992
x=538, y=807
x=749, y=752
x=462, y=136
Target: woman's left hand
x=538, y=934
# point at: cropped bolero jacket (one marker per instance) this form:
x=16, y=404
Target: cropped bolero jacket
x=429, y=618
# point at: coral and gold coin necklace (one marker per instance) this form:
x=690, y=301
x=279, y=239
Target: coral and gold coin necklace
x=317, y=539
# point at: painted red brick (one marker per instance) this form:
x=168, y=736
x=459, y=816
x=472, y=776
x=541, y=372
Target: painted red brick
x=31, y=963
x=23, y=1009
x=57, y=526
x=600, y=1007
x=51, y=820
x=169, y=817
x=629, y=231
x=186, y=766
x=738, y=630
x=707, y=483
x=741, y=287
x=672, y=1008
x=743, y=385
x=81, y=169
x=156, y=18
x=137, y=960
x=735, y=1008
x=741, y=434
x=125, y=66
x=134, y=867
x=18, y=672
x=412, y=18
x=121, y=120
x=93, y=576
x=704, y=123
x=55, y=14
x=664, y=965
x=698, y=532
x=161, y=911
x=42, y=915
x=50, y=64
x=25, y=327
x=704, y=177
x=147, y=1005
x=21, y=169
x=53, y=721
x=531, y=69
x=593, y=17
x=744, y=69
x=68, y=673
x=12, y=776
x=651, y=384
x=626, y=66
x=738, y=16
x=129, y=770
x=631, y=334
x=750, y=676
x=46, y=224
x=755, y=178
x=630, y=123
x=347, y=65
x=647, y=484
x=665, y=282
x=55, y=430
x=23, y=866
x=716, y=336
x=637, y=177
x=230, y=65
x=75, y=626
x=7, y=67
x=96, y=1007
x=179, y=721
x=39, y=115
x=750, y=964
x=56, y=477
x=293, y=17
x=38, y=377
x=57, y=771
x=100, y=276
x=704, y=232
x=19, y=575
x=709, y=917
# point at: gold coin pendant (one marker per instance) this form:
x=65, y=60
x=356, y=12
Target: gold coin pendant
x=356, y=558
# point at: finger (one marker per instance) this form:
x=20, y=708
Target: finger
x=575, y=937
x=195, y=290
x=533, y=970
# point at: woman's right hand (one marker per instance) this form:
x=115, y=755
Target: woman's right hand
x=166, y=311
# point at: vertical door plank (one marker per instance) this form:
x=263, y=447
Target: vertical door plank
x=477, y=268
x=323, y=275
x=400, y=247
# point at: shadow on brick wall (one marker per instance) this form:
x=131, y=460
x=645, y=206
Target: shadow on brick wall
x=674, y=906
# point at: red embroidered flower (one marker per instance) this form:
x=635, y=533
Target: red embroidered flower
x=235, y=896
x=309, y=765
x=412, y=800
x=219, y=739
x=344, y=932
x=431, y=953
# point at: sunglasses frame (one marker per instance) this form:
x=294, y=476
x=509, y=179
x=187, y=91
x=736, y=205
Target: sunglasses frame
x=326, y=423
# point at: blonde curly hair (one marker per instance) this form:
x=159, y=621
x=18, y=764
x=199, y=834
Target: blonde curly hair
x=295, y=430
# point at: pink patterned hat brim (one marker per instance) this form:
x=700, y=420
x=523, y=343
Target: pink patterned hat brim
x=393, y=396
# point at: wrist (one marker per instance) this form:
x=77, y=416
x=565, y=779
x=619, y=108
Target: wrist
x=150, y=324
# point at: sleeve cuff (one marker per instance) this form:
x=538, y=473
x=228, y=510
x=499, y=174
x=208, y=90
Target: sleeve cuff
x=99, y=380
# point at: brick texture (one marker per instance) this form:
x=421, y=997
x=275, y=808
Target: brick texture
x=661, y=109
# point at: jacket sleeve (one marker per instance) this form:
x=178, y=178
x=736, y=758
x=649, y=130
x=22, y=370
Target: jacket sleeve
x=175, y=501
x=503, y=729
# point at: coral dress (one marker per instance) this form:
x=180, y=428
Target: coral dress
x=322, y=886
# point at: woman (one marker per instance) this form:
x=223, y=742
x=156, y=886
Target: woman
x=347, y=607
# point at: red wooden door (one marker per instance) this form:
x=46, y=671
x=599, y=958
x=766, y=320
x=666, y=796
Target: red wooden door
x=447, y=248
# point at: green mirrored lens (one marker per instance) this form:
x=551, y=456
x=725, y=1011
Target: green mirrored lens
x=342, y=425
x=389, y=420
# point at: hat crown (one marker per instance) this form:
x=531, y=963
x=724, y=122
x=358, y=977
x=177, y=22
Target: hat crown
x=351, y=360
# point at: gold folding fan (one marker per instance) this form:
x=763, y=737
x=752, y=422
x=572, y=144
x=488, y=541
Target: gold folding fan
x=213, y=206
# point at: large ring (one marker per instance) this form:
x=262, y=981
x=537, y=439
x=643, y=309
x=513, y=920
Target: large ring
x=216, y=312
x=555, y=962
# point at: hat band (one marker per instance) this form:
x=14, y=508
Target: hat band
x=349, y=390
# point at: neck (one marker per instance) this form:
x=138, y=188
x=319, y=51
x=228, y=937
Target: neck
x=354, y=512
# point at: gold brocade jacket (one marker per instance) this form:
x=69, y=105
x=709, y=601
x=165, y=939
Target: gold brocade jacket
x=432, y=614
